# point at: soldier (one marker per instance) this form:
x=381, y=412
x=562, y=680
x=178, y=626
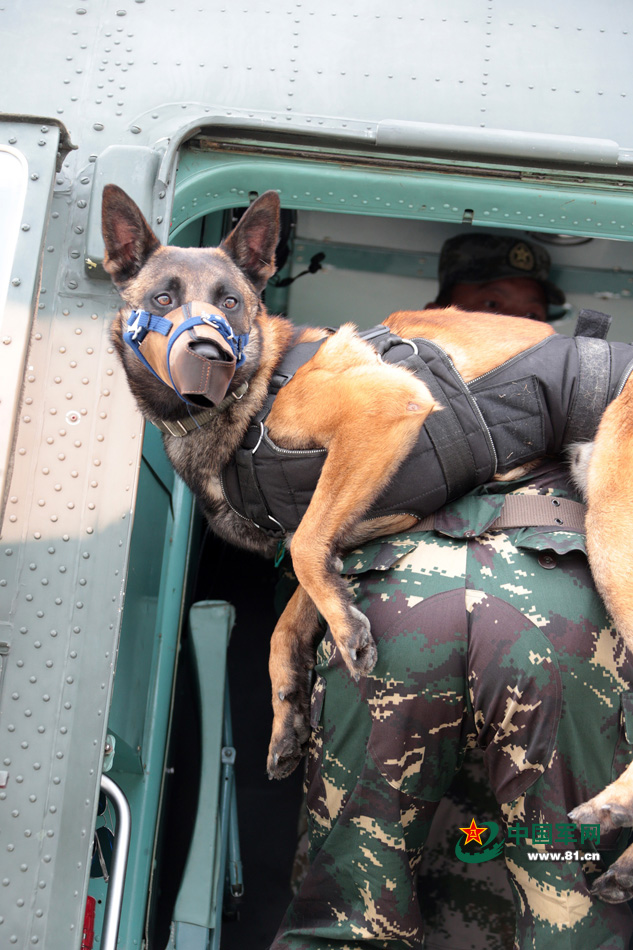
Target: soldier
x=487, y=639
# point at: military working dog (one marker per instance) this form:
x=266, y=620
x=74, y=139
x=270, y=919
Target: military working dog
x=200, y=352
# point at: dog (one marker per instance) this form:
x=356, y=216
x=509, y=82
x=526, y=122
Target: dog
x=200, y=351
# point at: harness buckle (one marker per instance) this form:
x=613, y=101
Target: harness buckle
x=177, y=428
x=135, y=328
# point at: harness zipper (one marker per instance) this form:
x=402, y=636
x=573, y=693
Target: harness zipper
x=234, y=510
x=273, y=445
x=509, y=362
x=624, y=380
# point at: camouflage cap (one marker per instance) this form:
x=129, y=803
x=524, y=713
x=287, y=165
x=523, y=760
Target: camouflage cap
x=478, y=258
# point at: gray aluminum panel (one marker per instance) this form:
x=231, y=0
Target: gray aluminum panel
x=558, y=69
x=28, y=173
x=62, y=561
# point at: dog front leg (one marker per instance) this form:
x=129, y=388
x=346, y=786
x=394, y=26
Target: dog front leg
x=612, y=808
x=360, y=462
x=292, y=650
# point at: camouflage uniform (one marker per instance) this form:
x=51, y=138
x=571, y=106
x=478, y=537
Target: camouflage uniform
x=495, y=640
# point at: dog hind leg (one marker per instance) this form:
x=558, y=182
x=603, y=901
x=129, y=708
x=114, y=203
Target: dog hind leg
x=292, y=651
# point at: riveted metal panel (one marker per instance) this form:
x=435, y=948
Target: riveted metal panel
x=536, y=68
x=65, y=537
x=27, y=180
x=416, y=80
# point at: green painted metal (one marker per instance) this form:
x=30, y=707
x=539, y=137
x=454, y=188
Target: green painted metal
x=224, y=853
x=209, y=181
x=142, y=695
x=202, y=884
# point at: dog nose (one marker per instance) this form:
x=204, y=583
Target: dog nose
x=209, y=351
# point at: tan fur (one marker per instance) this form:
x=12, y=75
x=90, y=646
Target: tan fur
x=610, y=511
x=367, y=414
x=476, y=342
x=345, y=399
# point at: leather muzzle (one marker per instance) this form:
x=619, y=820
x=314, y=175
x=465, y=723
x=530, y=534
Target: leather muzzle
x=193, y=350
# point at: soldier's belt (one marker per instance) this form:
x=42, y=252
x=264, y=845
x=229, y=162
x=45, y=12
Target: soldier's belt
x=530, y=511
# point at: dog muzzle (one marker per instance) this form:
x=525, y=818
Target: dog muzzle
x=193, y=350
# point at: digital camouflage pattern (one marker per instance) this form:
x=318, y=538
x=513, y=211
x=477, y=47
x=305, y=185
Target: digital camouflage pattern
x=498, y=642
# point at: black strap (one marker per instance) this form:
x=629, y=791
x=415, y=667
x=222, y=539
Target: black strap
x=592, y=388
x=445, y=429
x=447, y=435
x=253, y=499
x=592, y=323
x=293, y=359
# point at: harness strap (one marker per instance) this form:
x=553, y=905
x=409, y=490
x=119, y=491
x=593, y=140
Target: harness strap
x=530, y=511
x=293, y=359
x=592, y=323
x=444, y=429
x=592, y=388
x=447, y=435
x=252, y=497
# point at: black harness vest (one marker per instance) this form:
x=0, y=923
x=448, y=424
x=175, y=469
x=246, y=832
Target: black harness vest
x=534, y=404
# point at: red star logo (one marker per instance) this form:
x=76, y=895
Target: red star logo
x=473, y=833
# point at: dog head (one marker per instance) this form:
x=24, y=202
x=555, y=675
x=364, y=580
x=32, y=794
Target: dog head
x=185, y=334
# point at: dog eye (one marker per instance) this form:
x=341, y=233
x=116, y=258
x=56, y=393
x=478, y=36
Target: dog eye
x=230, y=303
x=163, y=299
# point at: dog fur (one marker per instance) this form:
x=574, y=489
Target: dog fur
x=367, y=414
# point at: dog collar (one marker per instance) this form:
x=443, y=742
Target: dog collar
x=196, y=420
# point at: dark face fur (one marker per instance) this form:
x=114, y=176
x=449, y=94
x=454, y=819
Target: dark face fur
x=158, y=279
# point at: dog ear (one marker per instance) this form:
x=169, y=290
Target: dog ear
x=127, y=236
x=253, y=240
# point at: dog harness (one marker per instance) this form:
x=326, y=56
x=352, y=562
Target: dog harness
x=534, y=404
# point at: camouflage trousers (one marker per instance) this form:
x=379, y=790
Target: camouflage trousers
x=497, y=642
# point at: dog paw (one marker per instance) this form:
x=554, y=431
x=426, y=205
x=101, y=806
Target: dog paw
x=291, y=731
x=607, y=814
x=358, y=648
x=616, y=885
x=284, y=757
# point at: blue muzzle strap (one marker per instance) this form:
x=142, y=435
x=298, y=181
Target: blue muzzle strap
x=138, y=326
x=140, y=323
x=220, y=323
